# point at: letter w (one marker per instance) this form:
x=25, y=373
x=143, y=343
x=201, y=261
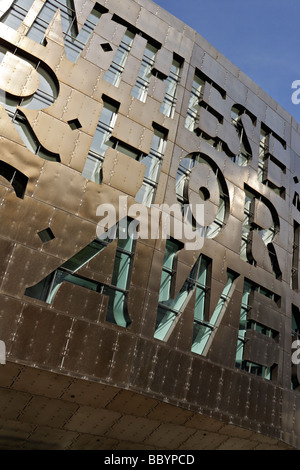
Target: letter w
x=62, y=21
x=171, y=308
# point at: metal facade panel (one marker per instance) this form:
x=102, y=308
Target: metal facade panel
x=96, y=328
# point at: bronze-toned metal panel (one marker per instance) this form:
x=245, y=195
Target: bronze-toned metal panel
x=140, y=339
x=122, y=172
x=41, y=336
x=48, y=412
x=17, y=76
x=92, y=421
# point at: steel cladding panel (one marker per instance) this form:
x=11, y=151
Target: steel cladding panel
x=248, y=187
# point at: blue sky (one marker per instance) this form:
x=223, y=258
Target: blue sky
x=260, y=37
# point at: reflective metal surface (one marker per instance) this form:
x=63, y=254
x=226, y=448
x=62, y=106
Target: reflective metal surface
x=75, y=379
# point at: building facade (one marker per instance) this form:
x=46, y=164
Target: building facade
x=113, y=338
